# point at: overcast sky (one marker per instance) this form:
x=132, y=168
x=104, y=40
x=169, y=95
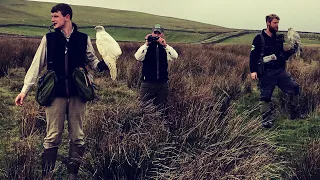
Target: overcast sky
x=302, y=15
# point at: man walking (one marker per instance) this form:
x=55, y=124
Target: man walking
x=267, y=64
x=67, y=49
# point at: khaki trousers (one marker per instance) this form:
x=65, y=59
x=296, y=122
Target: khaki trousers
x=71, y=109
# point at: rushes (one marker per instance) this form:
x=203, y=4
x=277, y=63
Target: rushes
x=210, y=140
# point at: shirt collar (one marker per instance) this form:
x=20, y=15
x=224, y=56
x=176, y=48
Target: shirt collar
x=67, y=37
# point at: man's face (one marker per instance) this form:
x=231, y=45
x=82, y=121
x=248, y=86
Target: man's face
x=58, y=20
x=157, y=33
x=273, y=25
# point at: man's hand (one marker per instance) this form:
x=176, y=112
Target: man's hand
x=294, y=48
x=162, y=41
x=146, y=38
x=254, y=76
x=19, y=99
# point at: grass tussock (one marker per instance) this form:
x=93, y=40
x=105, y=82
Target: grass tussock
x=308, y=167
x=210, y=139
x=127, y=143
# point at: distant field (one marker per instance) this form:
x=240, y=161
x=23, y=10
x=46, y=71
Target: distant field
x=138, y=35
x=120, y=34
x=122, y=25
x=244, y=39
x=27, y=31
x=38, y=13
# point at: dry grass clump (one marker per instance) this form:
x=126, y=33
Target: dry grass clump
x=209, y=140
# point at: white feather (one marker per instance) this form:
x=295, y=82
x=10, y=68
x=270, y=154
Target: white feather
x=294, y=38
x=109, y=50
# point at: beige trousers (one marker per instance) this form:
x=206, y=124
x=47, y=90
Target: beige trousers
x=71, y=109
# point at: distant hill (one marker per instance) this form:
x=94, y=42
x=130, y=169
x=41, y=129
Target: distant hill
x=38, y=13
x=31, y=19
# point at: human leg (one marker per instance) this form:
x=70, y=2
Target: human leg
x=76, y=116
x=147, y=94
x=266, y=84
x=288, y=85
x=55, y=117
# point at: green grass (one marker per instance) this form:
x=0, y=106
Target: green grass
x=223, y=36
x=119, y=34
x=244, y=39
x=310, y=41
x=138, y=35
x=290, y=136
x=24, y=30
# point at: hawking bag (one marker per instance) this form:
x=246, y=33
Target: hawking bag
x=46, y=88
x=83, y=83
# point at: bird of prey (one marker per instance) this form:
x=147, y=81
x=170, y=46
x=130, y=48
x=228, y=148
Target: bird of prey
x=294, y=40
x=109, y=50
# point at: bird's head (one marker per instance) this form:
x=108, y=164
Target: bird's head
x=99, y=28
x=290, y=29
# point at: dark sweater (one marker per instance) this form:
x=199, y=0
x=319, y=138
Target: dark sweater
x=155, y=64
x=273, y=45
x=77, y=46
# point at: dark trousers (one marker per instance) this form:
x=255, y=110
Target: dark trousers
x=157, y=92
x=272, y=78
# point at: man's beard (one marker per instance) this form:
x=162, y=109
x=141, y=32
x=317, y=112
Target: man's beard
x=273, y=30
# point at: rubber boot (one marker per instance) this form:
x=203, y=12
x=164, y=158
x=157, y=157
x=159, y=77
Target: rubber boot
x=295, y=112
x=75, y=155
x=266, y=113
x=49, y=157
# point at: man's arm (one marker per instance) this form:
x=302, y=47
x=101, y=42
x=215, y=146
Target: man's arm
x=37, y=65
x=92, y=59
x=254, y=56
x=141, y=52
x=171, y=53
x=291, y=51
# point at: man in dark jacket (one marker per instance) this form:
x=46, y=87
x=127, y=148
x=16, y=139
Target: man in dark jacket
x=267, y=64
x=155, y=54
x=62, y=51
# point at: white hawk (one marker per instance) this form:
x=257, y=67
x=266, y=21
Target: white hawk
x=109, y=50
x=294, y=38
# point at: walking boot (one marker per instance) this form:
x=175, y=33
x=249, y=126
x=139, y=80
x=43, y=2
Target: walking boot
x=295, y=112
x=75, y=155
x=266, y=113
x=49, y=157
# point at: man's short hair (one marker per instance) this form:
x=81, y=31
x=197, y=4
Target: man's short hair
x=270, y=17
x=63, y=8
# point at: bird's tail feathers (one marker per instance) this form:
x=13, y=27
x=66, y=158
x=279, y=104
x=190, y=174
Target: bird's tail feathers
x=111, y=63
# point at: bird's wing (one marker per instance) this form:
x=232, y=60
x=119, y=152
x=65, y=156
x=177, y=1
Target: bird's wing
x=296, y=36
x=109, y=50
x=290, y=36
x=107, y=45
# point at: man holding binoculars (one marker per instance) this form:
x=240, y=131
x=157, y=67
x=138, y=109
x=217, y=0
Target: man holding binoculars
x=155, y=54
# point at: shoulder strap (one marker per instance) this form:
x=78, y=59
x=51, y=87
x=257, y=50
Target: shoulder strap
x=50, y=47
x=262, y=45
